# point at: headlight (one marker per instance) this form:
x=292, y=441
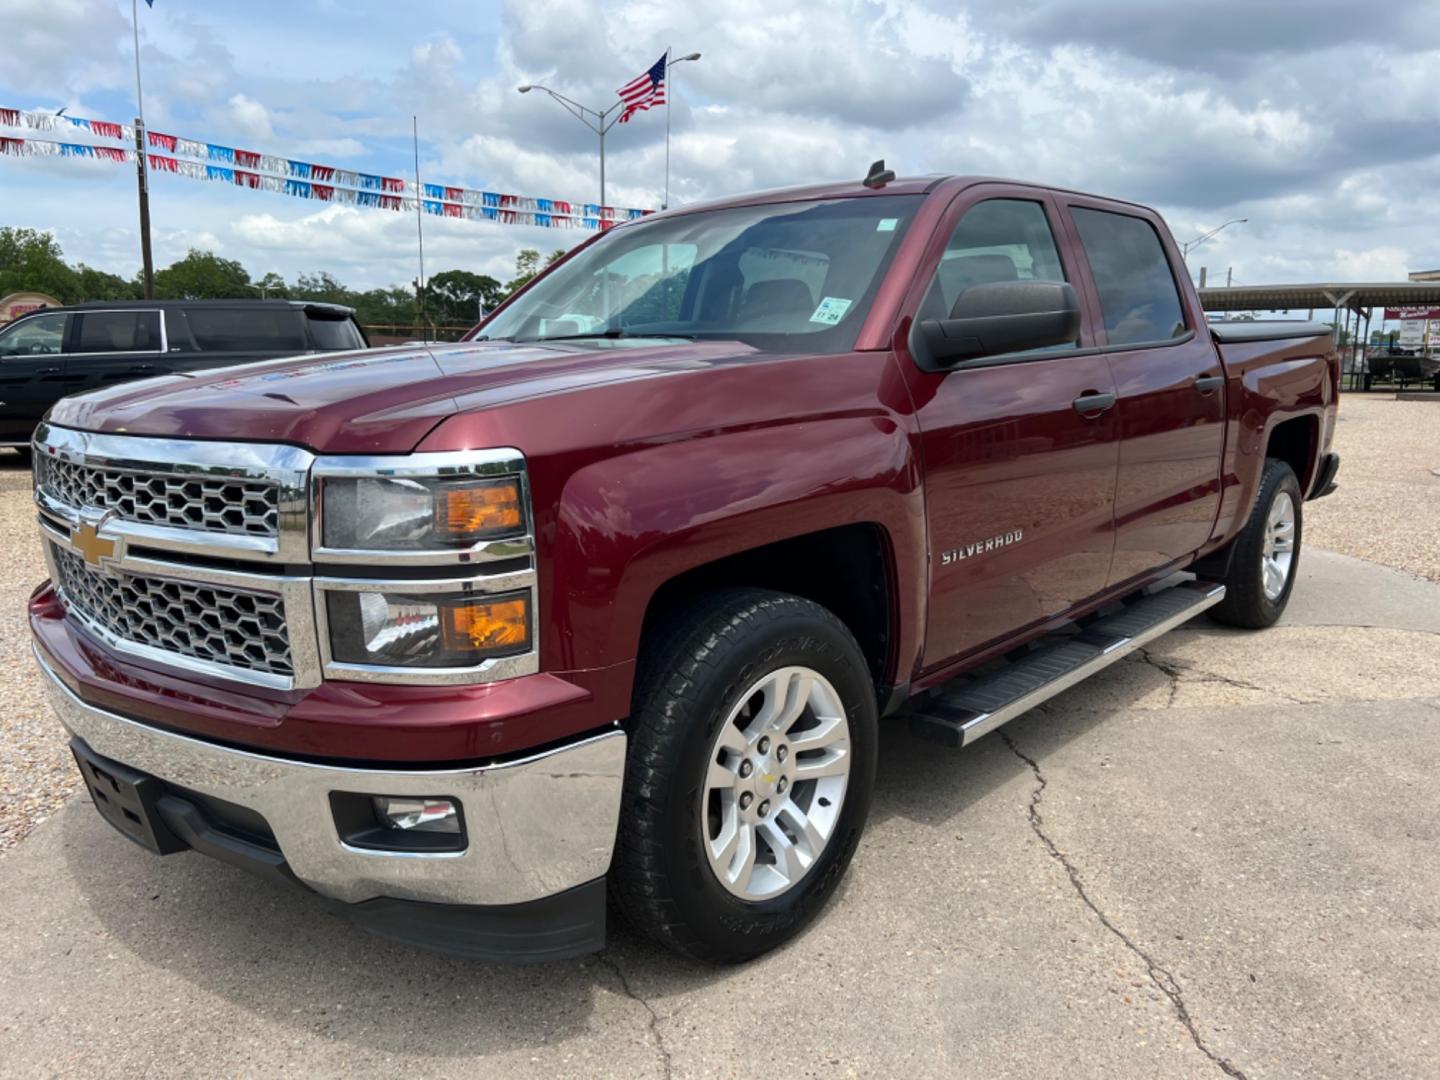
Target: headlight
x=446, y=630
x=409, y=514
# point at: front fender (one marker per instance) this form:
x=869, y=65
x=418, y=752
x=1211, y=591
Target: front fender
x=629, y=523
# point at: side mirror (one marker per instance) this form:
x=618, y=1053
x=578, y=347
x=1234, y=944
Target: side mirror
x=1002, y=317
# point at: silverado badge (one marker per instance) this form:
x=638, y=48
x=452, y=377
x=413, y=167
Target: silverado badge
x=980, y=547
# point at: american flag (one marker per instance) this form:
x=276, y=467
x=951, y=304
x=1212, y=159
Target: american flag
x=643, y=91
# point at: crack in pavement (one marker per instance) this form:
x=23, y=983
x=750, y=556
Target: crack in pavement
x=667, y=1065
x=1180, y=673
x=1163, y=979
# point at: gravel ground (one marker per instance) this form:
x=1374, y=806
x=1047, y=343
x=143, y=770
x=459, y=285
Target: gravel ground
x=1387, y=510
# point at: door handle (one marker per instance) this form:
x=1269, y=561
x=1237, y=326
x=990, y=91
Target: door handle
x=48, y=371
x=1208, y=384
x=1093, y=404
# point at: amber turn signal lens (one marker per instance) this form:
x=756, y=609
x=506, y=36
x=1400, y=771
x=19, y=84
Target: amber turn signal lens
x=488, y=626
x=478, y=510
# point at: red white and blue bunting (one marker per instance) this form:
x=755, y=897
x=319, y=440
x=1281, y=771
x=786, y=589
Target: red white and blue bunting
x=299, y=179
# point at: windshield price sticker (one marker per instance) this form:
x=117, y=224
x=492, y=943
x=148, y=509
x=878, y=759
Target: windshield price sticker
x=831, y=310
x=886, y=224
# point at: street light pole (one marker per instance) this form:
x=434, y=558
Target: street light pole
x=597, y=120
x=1190, y=245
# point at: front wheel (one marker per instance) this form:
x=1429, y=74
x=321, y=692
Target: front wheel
x=751, y=768
x=1266, y=554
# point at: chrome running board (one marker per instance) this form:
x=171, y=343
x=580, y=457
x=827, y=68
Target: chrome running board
x=959, y=712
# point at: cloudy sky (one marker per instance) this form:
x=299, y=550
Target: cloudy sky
x=1320, y=126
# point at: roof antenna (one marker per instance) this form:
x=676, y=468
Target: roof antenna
x=879, y=176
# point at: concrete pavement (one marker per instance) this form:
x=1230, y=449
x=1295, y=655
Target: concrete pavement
x=1218, y=857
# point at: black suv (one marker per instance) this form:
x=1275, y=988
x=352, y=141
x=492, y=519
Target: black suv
x=51, y=353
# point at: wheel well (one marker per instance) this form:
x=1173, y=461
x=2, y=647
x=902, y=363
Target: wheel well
x=844, y=569
x=1294, y=442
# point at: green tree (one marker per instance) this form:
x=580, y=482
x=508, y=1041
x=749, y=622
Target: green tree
x=272, y=286
x=100, y=285
x=555, y=256
x=203, y=275
x=454, y=297
x=32, y=260
x=527, y=265
x=322, y=288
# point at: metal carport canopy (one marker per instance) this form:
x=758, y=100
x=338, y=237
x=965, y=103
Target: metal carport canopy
x=1356, y=296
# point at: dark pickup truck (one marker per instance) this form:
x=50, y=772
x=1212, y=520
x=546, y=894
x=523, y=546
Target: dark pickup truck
x=614, y=597
x=48, y=354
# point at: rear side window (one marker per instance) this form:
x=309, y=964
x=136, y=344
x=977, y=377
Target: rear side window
x=247, y=330
x=1137, y=291
x=118, y=331
x=331, y=334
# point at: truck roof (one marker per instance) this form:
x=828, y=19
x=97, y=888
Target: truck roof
x=845, y=189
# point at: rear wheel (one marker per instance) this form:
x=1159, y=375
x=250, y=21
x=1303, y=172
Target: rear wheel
x=1266, y=555
x=752, y=761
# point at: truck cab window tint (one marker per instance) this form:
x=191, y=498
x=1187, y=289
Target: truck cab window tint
x=996, y=240
x=331, y=334
x=767, y=275
x=1137, y=290
x=118, y=331
x=242, y=329
x=42, y=335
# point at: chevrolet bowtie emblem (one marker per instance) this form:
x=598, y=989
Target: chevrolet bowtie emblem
x=93, y=547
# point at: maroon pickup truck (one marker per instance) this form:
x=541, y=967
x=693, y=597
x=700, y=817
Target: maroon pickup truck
x=610, y=600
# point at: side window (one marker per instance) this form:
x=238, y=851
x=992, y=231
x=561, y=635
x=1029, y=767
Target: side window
x=44, y=335
x=247, y=329
x=119, y=331
x=1137, y=289
x=996, y=240
x=331, y=334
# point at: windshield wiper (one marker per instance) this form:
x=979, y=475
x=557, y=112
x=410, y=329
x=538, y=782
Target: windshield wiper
x=612, y=334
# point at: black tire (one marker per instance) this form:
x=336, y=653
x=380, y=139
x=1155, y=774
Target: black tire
x=697, y=666
x=1246, y=603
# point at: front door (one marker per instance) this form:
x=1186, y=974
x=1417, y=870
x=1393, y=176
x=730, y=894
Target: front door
x=1171, y=407
x=32, y=373
x=1020, y=451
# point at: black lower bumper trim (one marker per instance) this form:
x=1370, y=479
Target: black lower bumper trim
x=166, y=819
x=1325, y=476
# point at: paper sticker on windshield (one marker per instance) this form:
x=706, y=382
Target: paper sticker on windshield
x=887, y=224
x=831, y=310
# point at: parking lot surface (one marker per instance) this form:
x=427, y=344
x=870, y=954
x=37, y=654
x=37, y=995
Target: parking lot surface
x=1216, y=858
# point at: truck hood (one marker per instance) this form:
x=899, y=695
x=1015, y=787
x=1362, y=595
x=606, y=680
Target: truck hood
x=376, y=401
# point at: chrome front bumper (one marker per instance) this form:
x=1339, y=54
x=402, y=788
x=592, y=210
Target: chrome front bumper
x=536, y=826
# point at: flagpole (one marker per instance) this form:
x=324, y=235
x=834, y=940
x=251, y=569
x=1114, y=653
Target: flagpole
x=142, y=173
x=669, y=93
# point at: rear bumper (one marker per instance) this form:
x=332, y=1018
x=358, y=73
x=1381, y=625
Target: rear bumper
x=1325, y=476
x=537, y=828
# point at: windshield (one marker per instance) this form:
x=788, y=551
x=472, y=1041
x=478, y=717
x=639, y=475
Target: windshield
x=779, y=276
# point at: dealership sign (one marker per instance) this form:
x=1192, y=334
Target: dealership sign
x=22, y=303
x=1412, y=313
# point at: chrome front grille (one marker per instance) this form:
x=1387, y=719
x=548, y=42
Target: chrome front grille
x=197, y=556
x=176, y=500
x=238, y=629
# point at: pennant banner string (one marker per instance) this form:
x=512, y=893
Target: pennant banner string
x=487, y=206
x=302, y=179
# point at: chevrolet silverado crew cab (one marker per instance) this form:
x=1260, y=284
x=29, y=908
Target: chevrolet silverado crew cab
x=610, y=600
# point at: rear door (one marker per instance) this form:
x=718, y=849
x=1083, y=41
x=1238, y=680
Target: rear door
x=1020, y=451
x=1170, y=384
x=32, y=372
x=113, y=346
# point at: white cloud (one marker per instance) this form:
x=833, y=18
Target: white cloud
x=250, y=117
